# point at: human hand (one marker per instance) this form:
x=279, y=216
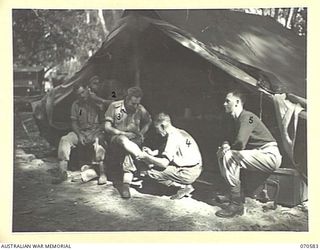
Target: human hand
x=142, y=156
x=147, y=150
x=150, y=151
x=130, y=135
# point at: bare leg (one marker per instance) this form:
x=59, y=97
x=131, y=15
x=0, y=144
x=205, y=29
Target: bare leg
x=102, y=176
x=129, y=146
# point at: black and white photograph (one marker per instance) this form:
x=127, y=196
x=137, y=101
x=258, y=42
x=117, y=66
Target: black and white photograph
x=157, y=120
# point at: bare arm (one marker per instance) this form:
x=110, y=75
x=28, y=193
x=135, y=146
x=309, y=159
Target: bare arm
x=145, y=128
x=111, y=130
x=160, y=162
x=146, y=121
x=99, y=100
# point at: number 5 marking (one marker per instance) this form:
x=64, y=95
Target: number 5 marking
x=251, y=119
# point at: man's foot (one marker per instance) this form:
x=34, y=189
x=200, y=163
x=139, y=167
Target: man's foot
x=186, y=191
x=102, y=179
x=231, y=210
x=125, y=191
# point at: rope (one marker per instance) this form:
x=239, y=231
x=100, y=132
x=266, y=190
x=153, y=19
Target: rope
x=260, y=105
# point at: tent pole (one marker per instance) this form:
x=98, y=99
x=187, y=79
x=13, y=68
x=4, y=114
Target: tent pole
x=261, y=99
x=136, y=62
x=136, y=71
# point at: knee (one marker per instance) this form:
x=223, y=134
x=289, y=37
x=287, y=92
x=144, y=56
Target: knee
x=64, y=148
x=63, y=141
x=120, y=140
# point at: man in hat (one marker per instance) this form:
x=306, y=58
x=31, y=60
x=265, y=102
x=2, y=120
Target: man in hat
x=87, y=129
x=180, y=163
x=253, y=148
x=127, y=121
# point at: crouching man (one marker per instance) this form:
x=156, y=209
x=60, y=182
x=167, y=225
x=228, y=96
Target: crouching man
x=86, y=130
x=253, y=148
x=180, y=163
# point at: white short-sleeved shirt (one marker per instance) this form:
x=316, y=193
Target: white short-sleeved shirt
x=181, y=149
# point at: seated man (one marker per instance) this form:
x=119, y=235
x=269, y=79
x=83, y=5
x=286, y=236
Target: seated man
x=180, y=162
x=86, y=130
x=253, y=148
x=127, y=121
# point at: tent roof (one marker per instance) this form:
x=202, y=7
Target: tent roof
x=243, y=45
x=249, y=47
x=254, y=40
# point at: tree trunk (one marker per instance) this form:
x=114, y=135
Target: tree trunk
x=102, y=21
x=87, y=17
x=276, y=14
x=289, y=17
x=294, y=16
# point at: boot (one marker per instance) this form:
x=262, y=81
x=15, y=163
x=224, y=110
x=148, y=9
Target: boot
x=125, y=191
x=234, y=208
x=62, y=174
x=102, y=178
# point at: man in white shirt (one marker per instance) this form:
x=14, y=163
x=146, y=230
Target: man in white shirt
x=180, y=163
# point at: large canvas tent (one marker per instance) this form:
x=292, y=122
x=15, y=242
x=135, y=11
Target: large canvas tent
x=185, y=61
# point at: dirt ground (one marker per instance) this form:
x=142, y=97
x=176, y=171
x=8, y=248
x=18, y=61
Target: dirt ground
x=73, y=206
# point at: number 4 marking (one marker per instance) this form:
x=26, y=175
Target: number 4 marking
x=188, y=142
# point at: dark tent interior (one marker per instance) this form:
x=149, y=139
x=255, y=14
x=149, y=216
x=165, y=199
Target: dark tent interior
x=178, y=81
